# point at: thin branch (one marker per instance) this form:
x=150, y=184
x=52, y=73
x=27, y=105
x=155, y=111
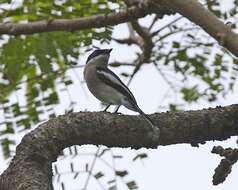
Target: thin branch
x=175, y=32
x=127, y=41
x=91, y=168
x=146, y=45
x=155, y=19
x=170, y=84
x=118, y=64
x=197, y=13
x=166, y=26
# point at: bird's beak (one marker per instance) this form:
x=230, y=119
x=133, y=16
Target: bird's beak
x=109, y=50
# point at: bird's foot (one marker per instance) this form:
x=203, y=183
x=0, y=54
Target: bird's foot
x=105, y=110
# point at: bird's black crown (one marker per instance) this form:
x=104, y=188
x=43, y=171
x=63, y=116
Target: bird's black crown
x=98, y=52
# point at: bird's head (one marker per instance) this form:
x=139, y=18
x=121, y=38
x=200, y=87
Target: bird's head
x=99, y=57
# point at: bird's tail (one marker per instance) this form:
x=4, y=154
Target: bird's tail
x=155, y=129
x=145, y=116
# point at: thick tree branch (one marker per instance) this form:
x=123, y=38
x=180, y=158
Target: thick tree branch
x=31, y=166
x=195, y=11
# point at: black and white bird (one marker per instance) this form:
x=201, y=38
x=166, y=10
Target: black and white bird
x=106, y=85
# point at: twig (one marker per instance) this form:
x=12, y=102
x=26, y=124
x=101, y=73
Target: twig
x=167, y=25
x=91, y=168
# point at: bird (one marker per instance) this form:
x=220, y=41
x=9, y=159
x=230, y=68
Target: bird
x=106, y=86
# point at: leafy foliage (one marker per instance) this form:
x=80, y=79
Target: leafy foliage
x=194, y=55
x=35, y=62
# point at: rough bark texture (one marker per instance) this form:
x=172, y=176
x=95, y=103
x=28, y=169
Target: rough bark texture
x=89, y=22
x=225, y=166
x=31, y=166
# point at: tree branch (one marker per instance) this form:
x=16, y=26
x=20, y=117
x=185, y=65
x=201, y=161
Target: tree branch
x=31, y=166
x=128, y=41
x=202, y=17
x=96, y=21
x=195, y=11
x=225, y=166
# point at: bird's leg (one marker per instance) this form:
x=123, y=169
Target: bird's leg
x=107, y=107
x=117, y=108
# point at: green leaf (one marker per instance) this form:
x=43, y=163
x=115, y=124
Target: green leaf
x=5, y=143
x=140, y=156
x=98, y=175
x=132, y=185
x=114, y=187
x=8, y=130
x=122, y=173
x=190, y=94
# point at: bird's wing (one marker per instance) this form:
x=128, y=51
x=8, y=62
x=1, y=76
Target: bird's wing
x=111, y=79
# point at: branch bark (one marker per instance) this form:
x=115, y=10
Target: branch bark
x=96, y=21
x=31, y=166
x=225, y=166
